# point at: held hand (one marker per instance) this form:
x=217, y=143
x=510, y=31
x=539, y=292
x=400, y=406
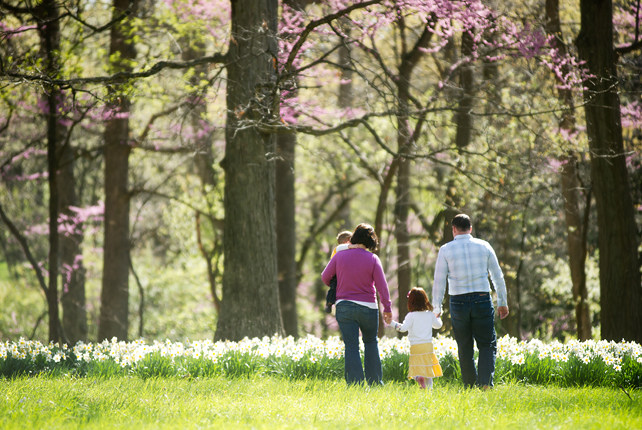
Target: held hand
x=387, y=317
x=503, y=311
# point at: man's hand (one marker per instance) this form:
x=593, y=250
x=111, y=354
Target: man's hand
x=387, y=317
x=503, y=311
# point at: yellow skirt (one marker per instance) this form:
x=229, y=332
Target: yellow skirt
x=423, y=361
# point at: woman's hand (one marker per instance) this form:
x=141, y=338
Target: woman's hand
x=387, y=317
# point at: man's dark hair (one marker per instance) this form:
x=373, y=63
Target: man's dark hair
x=462, y=222
x=365, y=235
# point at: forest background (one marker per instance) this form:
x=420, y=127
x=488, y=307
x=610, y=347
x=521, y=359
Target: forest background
x=175, y=124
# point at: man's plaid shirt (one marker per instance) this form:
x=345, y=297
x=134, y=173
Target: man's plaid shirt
x=466, y=263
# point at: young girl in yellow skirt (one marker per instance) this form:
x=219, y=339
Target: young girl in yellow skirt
x=419, y=323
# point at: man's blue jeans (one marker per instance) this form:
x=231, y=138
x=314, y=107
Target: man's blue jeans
x=473, y=318
x=352, y=317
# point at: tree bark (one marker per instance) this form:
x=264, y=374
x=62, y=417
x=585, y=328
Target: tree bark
x=571, y=186
x=250, y=305
x=49, y=30
x=286, y=231
x=203, y=156
x=285, y=214
x=409, y=59
x=620, y=290
x=463, y=118
x=114, y=311
x=74, y=313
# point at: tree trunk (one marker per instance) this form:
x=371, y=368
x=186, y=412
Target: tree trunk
x=409, y=59
x=620, y=290
x=404, y=274
x=74, y=313
x=114, y=311
x=49, y=31
x=203, y=156
x=286, y=231
x=285, y=214
x=250, y=305
x=463, y=118
x=571, y=191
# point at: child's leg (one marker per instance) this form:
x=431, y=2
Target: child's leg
x=429, y=383
x=331, y=297
x=422, y=381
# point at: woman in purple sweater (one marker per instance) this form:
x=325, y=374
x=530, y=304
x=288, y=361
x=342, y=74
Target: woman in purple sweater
x=359, y=277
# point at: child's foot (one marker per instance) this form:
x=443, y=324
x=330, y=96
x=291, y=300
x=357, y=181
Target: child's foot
x=422, y=382
x=328, y=309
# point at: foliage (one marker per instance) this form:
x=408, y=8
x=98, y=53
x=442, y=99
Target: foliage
x=507, y=178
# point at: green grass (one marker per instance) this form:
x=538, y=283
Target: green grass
x=273, y=402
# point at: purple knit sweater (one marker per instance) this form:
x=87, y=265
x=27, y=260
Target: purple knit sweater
x=358, y=272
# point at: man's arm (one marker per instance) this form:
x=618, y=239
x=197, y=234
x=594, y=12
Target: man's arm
x=497, y=277
x=439, y=284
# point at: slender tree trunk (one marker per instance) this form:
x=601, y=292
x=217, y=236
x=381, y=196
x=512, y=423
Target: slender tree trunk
x=571, y=191
x=74, y=313
x=620, y=290
x=250, y=305
x=286, y=220
x=404, y=271
x=409, y=59
x=114, y=311
x=463, y=118
x=49, y=30
x=203, y=156
x=286, y=231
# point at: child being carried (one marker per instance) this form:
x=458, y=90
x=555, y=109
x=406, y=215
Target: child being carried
x=343, y=241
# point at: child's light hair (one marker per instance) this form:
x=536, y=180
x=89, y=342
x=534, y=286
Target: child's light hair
x=344, y=237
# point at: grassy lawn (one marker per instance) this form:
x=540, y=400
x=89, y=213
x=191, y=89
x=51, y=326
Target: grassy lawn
x=130, y=402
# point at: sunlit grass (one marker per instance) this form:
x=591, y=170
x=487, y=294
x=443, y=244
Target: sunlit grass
x=272, y=402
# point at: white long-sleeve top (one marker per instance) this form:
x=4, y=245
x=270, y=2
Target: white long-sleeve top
x=419, y=325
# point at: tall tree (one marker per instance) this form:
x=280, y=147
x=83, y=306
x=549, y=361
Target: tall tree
x=49, y=30
x=409, y=58
x=576, y=227
x=620, y=289
x=285, y=213
x=250, y=305
x=114, y=297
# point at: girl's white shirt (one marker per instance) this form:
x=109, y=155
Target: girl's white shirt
x=419, y=325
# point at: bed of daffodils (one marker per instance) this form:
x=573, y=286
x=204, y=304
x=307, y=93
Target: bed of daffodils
x=593, y=363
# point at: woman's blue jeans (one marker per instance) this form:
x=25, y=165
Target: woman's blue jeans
x=352, y=317
x=473, y=318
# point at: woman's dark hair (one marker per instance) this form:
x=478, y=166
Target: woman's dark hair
x=418, y=300
x=365, y=235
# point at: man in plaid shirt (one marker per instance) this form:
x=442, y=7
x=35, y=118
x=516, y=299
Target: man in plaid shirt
x=465, y=263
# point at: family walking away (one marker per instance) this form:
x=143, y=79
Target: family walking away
x=355, y=276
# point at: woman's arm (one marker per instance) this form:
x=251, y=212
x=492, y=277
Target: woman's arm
x=381, y=285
